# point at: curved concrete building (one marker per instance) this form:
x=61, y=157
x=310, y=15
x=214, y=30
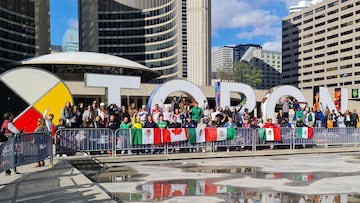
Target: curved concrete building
x=152, y=33
x=71, y=66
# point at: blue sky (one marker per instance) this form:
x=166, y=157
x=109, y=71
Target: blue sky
x=233, y=21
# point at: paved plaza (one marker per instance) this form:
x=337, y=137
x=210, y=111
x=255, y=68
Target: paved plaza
x=331, y=174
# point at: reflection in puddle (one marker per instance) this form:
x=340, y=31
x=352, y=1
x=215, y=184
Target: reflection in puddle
x=256, y=172
x=162, y=190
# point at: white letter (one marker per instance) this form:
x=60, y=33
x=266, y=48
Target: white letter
x=113, y=83
x=268, y=106
x=227, y=88
x=172, y=86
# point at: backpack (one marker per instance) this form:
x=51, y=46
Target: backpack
x=310, y=117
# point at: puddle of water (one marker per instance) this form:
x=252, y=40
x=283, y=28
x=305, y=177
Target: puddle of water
x=112, y=174
x=164, y=190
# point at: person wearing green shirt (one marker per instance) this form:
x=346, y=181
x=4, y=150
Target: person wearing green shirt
x=123, y=141
x=196, y=113
x=162, y=123
x=126, y=124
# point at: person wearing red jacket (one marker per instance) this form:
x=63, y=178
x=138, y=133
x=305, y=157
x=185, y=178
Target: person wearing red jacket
x=269, y=124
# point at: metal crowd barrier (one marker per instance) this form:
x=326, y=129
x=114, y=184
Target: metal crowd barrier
x=244, y=138
x=119, y=141
x=72, y=140
x=22, y=149
x=123, y=144
x=286, y=140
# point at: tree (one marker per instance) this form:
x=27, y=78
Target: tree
x=224, y=75
x=248, y=74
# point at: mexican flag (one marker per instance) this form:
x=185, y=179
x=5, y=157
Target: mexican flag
x=219, y=134
x=211, y=189
x=305, y=132
x=196, y=135
x=272, y=134
x=208, y=187
x=305, y=178
x=196, y=187
x=141, y=136
x=175, y=135
x=273, y=176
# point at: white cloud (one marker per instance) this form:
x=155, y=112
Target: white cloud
x=240, y=14
x=273, y=45
x=273, y=32
x=73, y=23
x=246, y=16
x=288, y=3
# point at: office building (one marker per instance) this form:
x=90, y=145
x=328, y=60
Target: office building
x=270, y=64
x=321, y=45
x=240, y=50
x=25, y=30
x=268, y=61
x=302, y=4
x=170, y=36
x=70, y=40
x=222, y=59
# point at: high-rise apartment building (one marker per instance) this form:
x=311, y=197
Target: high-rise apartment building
x=302, y=4
x=25, y=30
x=70, y=40
x=171, y=36
x=222, y=59
x=321, y=45
x=270, y=64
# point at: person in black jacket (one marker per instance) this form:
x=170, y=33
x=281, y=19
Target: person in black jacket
x=174, y=123
x=113, y=123
x=150, y=122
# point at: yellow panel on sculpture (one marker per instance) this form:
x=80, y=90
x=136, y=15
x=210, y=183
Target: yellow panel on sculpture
x=54, y=101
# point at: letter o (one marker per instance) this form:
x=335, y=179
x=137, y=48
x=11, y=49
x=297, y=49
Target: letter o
x=278, y=92
x=164, y=90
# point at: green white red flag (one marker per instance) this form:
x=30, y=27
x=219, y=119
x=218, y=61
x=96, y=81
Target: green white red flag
x=272, y=134
x=219, y=134
x=140, y=136
x=305, y=132
x=196, y=135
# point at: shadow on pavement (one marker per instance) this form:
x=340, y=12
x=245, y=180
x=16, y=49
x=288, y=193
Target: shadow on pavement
x=61, y=183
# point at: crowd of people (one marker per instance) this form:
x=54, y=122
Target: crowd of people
x=181, y=113
x=186, y=113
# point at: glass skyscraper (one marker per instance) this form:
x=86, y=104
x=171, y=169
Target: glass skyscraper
x=153, y=33
x=25, y=30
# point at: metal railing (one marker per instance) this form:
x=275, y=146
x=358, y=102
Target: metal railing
x=120, y=141
x=21, y=149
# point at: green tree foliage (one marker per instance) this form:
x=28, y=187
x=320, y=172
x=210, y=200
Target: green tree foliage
x=224, y=76
x=248, y=74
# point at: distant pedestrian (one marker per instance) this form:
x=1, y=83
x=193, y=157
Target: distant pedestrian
x=9, y=130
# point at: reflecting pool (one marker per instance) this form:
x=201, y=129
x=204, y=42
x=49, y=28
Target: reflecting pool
x=315, y=179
